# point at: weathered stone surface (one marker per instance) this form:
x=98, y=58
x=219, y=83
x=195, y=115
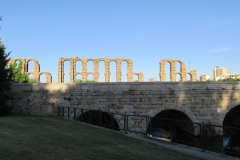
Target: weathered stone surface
x=209, y=103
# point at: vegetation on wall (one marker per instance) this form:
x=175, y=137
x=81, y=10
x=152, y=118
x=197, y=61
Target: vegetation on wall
x=81, y=81
x=229, y=79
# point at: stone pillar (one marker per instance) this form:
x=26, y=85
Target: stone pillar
x=71, y=74
x=36, y=71
x=107, y=70
x=130, y=71
x=24, y=65
x=118, y=71
x=151, y=80
x=162, y=73
x=183, y=72
x=173, y=71
x=60, y=71
x=140, y=77
x=203, y=78
x=84, y=70
x=96, y=72
x=48, y=78
x=194, y=75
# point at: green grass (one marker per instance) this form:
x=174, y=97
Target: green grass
x=29, y=137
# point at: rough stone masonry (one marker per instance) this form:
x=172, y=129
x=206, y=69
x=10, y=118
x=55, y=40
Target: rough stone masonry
x=200, y=101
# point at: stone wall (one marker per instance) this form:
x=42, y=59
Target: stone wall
x=200, y=101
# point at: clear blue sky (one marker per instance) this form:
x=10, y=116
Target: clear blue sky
x=205, y=33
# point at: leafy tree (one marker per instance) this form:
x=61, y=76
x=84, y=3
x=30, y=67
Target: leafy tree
x=18, y=76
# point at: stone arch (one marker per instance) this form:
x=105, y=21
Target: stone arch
x=100, y=118
x=164, y=117
x=129, y=70
x=88, y=60
x=30, y=75
x=104, y=70
x=140, y=77
x=77, y=73
x=173, y=72
x=116, y=71
x=90, y=73
x=75, y=63
x=137, y=76
x=19, y=59
x=189, y=113
x=48, y=77
x=223, y=112
x=180, y=74
x=162, y=73
x=123, y=71
x=190, y=74
x=36, y=65
x=61, y=69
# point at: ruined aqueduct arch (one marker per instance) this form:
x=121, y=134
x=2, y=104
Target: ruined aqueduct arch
x=36, y=69
x=95, y=73
x=84, y=73
x=173, y=73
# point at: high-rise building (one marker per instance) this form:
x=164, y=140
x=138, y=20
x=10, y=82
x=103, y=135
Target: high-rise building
x=219, y=72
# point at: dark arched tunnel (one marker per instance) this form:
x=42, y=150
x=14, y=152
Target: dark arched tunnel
x=174, y=125
x=231, y=131
x=99, y=118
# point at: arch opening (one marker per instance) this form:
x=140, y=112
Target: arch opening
x=17, y=62
x=135, y=78
x=174, y=125
x=167, y=71
x=90, y=66
x=178, y=67
x=124, y=71
x=99, y=118
x=113, y=71
x=43, y=78
x=66, y=71
x=189, y=77
x=78, y=78
x=78, y=66
x=30, y=66
x=30, y=76
x=178, y=77
x=101, y=71
x=90, y=78
x=231, y=132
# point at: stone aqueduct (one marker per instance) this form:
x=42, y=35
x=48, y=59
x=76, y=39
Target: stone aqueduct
x=208, y=102
x=84, y=73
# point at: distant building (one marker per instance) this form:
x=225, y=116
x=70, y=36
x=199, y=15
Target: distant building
x=204, y=77
x=219, y=72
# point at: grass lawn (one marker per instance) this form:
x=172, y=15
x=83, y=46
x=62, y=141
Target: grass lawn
x=29, y=137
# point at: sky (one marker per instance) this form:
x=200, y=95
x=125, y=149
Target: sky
x=203, y=34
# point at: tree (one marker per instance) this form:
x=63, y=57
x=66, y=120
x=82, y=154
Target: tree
x=229, y=79
x=5, y=81
x=17, y=75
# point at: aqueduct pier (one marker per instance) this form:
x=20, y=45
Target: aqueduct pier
x=207, y=102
